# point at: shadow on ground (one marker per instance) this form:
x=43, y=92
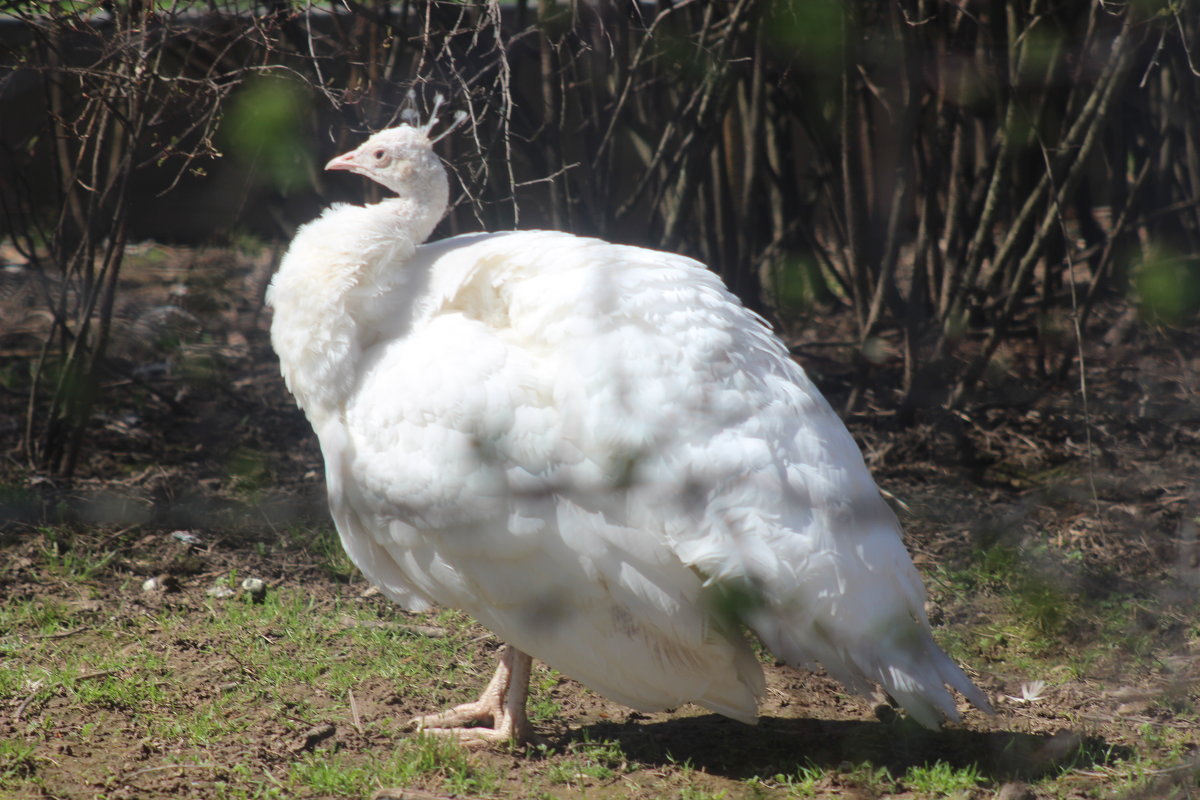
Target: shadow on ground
x=778, y=745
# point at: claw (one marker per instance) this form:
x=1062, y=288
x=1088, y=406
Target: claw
x=501, y=706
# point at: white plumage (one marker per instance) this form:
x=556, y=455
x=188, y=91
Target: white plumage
x=597, y=452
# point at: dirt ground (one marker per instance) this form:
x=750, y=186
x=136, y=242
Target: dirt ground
x=1059, y=543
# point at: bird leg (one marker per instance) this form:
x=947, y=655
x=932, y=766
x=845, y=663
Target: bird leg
x=502, y=705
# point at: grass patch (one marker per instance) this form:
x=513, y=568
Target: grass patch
x=323, y=544
x=587, y=761
x=1044, y=609
x=942, y=780
x=71, y=556
x=428, y=760
x=803, y=782
x=17, y=761
x=542, y=706
x=186, y=694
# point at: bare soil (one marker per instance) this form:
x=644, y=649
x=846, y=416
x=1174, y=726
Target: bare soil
x=1094, y=509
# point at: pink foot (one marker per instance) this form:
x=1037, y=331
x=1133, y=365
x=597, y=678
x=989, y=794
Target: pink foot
x=501, y=706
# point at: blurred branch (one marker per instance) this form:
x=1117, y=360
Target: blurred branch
x=877, y=161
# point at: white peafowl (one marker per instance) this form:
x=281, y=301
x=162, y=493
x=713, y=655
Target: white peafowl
x=595, y=451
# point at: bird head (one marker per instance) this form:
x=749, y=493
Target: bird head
x=401, y=159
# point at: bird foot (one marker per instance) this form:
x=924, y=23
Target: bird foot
x=479, y=712
x=481, y=737
x=477, y=724
x=502, y=706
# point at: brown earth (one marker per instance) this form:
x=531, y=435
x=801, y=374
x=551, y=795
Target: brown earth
x=1088, y=518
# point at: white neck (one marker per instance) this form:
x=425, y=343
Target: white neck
x=342, y=276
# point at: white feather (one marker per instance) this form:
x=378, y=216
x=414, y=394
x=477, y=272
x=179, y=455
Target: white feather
x=591, y=448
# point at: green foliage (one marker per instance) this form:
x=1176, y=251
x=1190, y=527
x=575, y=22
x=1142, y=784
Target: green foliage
x=811, y=31
x=331, y=774
x=129, y=683
x=249, y=469
x=796, y=285
x=265, y=129
x=45, y=616
x=872, y=778
x=241, y=782
x=1167, y=287
x=204, y=724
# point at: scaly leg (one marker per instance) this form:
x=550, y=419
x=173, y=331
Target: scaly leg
x=502, y=705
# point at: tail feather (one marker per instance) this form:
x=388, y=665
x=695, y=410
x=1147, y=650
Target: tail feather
x=910, y=667
x=920, y=685
x=731, y=699
x=860, y=614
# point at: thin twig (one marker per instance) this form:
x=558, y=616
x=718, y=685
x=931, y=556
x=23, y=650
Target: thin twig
x=36, y=687
x=1083, y=385
x=161, y=767
x=354, y=717
x=62, y=634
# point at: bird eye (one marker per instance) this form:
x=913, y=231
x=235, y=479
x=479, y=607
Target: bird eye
x=380, y=154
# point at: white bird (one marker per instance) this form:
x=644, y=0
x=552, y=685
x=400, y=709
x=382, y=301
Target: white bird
x=594, y=450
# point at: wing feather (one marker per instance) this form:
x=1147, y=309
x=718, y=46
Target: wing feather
x=576, y=442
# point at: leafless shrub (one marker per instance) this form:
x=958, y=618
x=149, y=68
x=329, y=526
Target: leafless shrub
x=952, y=176
x=125, y=88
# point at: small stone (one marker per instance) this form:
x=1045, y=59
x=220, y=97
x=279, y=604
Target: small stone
x=220, y=591
x=187, y=537
x=1015, y=790
x=160, y=583
x=406, y=793
x=1058, y=747
x=256, y=588
x=315, y=736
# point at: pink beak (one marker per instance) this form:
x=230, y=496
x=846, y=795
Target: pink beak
x=344, y=161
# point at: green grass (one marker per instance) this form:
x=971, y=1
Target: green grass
x=586, y=760
x=205, y=724
x=243, y=658
x=871, y=778
x=1041, y=610
x=700, y=793
x=1049, y=620
x=942, y=780
x=322, y=543
x=220, y=693
x=804, y=782
x=243, y=782
x=418, y=758
x=41, y=617
x=17, y=760
x=62, y=556
x=128, y=683
x=542, y=707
